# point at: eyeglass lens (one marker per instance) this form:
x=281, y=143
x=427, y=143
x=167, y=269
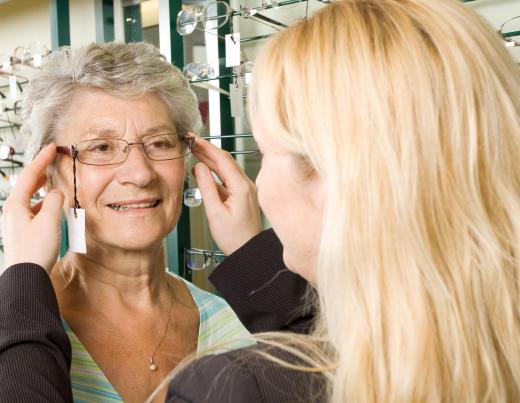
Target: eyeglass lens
x=213, y=15
x=198, y=260
x=198, y=71
x=106, y=151
x=511, y=32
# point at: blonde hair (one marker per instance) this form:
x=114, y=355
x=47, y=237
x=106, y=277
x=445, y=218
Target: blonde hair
x=410, y=111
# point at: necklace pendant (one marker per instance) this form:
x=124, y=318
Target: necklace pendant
x=152, y=365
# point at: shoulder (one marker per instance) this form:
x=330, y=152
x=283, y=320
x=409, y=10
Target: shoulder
x=207, y=302
x=219, y=324
x=214, y=378
x=244, y=375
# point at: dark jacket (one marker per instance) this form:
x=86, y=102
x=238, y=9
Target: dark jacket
x=35, y=351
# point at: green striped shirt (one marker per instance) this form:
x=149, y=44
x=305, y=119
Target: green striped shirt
x=217, y=323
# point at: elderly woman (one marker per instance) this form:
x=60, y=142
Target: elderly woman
x=125, y=113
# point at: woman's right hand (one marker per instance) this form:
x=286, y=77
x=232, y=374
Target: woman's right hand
x=232, y=207
x=33, y=234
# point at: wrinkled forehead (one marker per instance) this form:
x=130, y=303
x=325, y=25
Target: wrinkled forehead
x=96, y=114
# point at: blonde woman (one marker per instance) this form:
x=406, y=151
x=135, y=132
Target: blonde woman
x=391, y=132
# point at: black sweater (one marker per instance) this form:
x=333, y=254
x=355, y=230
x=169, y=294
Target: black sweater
x=35, y=351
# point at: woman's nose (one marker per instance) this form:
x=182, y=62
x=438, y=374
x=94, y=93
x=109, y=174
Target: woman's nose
x=137, y=167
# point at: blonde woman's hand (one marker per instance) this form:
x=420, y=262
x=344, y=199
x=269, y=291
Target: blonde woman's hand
x=31, y=234
x=231, y=207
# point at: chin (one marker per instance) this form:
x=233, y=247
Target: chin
x=132, y=240
x=301, y=268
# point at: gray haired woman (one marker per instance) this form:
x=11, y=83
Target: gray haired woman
x=120, y=115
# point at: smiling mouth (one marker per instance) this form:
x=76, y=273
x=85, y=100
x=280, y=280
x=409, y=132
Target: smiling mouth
x=135, y=206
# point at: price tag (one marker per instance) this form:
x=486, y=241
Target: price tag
x=37, y=60
x=233, y=49
x=237, y=103
x=76, y=229
x=13, y=88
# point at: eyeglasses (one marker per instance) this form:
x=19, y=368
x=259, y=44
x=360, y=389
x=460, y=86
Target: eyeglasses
x=212, y=15
x=217, y=13
x=108, y=151
x=32, y=56
x=244, y=73
x=198, y=71
x=512, y=38
x=200, y=259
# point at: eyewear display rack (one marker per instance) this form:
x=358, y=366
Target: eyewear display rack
x=180, y=239
x=10, y=159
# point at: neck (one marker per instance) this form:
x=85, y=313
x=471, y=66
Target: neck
x=132, y=278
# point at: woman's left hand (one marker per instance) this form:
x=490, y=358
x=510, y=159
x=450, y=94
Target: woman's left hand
x=232, y=208
x=33, y=234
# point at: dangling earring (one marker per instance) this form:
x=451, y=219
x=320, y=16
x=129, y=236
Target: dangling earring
x=76, y=221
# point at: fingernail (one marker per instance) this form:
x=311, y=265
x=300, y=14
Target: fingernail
x=201, y=172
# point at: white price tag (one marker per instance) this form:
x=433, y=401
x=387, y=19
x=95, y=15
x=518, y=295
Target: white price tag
x=76, y=229
x=13, y=88
x=233, y=49
x=237, y=103
x=37, y=60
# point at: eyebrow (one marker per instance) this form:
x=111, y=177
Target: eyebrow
x=159, y=130
x=111, y=133
x=99, y=133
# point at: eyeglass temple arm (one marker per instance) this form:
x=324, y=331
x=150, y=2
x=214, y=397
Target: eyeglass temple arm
x=67, y=150
x=190, y=140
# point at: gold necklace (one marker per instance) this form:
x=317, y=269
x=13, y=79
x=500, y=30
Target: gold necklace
x=152, y=366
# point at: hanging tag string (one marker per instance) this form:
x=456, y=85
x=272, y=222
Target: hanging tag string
x=230, y=18
x=76, y=202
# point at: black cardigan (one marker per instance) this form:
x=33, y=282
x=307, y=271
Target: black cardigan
x=35, y=351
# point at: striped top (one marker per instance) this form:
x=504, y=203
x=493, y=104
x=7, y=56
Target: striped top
x=217, y=323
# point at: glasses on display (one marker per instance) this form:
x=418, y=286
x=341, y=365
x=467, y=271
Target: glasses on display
x=192, y=197
x=244, y=72
x=510, y=32
x=32, y=56
x=110, y=151
x=217, y=14
x=212, y=15
x=200, y=259
x=199, y=71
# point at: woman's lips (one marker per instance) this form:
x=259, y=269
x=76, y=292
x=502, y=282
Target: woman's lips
x=134, y=204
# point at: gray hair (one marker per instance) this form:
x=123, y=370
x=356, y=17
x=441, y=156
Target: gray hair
x=125, y=70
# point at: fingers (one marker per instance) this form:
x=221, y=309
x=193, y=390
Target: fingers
x=208, y=189
x=221, y=162
x=31, y=177
x=51, y=208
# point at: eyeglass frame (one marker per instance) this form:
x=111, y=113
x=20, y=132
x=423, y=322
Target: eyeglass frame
x=73, y=151
x=199, y=16
x=207, y=254
x=505, y=38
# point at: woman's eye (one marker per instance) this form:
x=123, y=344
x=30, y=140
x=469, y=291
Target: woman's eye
x=101, y=147
x=161, y=143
